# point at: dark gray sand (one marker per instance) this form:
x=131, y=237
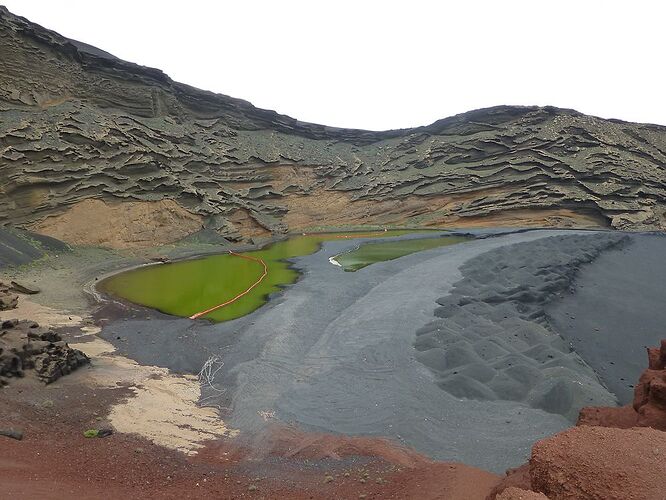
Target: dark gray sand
x=492, y=341
x=618, y=309
x=19, y=247
x=335, y=353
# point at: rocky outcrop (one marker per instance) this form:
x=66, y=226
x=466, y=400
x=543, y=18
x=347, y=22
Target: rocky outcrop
x=77, y=123
x=650, y=392
x=24, y=288
x=8, y=294
x=8, y=299
x=25, y=347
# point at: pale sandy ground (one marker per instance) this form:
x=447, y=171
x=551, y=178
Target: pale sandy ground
x=164, y=406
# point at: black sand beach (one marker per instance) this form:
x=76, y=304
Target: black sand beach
x=617, y=310
x=336, y=351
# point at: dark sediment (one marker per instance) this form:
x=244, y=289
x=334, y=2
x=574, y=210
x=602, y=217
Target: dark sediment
x=493, y=341
x=617, y=311
x=19, y=247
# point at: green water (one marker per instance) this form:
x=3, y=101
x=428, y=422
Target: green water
x=188, y=287
x=369, y=253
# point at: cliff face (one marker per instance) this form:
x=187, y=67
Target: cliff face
x=83, y=130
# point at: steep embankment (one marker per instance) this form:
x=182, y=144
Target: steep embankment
x=77, y=124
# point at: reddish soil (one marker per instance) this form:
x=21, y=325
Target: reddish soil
x=54, y=460
x=624, y=417
x=513, y=493
x=612, y=454
x=518, y=478
x=600, y=463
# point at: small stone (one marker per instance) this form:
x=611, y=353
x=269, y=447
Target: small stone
x=104, y=432
x=23, y=288
x=252, y=487
x=12, y=433
x=328, y=479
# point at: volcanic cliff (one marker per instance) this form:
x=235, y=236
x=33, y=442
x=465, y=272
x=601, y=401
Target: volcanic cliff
x=97, y=150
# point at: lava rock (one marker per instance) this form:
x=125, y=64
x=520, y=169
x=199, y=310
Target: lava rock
x=12, y=433
x=26, y=346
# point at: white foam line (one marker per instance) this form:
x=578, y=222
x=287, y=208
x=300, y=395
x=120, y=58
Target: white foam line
x=334, y=262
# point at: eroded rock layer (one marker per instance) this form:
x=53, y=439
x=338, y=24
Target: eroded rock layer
x=77, y=123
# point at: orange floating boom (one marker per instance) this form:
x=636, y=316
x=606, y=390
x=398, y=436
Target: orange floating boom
x=231, y=301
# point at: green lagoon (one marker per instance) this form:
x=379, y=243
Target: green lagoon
x=188, y=287
x=191, y=286
x=369, y=253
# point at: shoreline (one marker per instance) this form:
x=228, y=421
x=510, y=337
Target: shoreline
x=243, y=342
x=228, y=335
x=100, y=296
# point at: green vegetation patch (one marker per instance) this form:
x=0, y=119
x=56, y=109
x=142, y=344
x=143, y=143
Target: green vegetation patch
x=188, y=287
x=369, y=253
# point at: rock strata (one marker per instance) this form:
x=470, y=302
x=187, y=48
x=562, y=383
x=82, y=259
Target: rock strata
x=77, y=124
x=26, y=347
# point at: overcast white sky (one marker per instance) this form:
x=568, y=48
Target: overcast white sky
x=386, y=64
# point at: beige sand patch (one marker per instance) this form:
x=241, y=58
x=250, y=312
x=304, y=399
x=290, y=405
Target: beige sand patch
x=164, y=406
x=128, y=224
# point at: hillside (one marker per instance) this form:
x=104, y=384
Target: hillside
x=96, y=150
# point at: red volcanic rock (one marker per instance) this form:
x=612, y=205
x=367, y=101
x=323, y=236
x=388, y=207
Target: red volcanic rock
x=518, y=478
x=650, y=392
x=657, y=356
x=513, y=493
x=624, y=417
x=599, y=463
